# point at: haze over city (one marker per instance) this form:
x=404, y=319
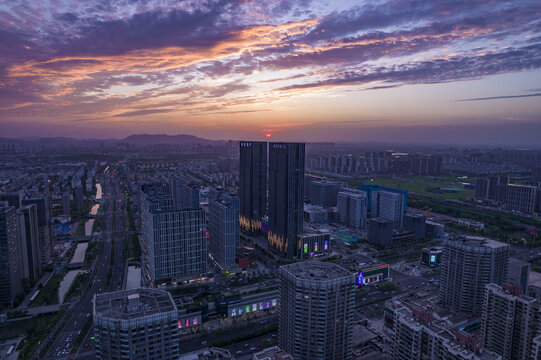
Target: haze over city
x=394, y=71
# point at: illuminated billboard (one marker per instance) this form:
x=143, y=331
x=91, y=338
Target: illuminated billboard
x=432, y=256
x=360, y=279
x=372, y=275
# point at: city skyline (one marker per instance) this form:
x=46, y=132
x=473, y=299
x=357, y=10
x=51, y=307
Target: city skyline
x=310, y=71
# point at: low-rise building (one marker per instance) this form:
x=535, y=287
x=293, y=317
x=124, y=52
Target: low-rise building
x=272, y=353
x=232, y=306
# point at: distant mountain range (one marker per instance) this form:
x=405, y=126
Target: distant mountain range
x=138, y=139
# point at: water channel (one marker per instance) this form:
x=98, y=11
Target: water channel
x=134, y=278
x=80, y=251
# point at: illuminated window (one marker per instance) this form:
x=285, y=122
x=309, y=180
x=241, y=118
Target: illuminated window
x=305, y=248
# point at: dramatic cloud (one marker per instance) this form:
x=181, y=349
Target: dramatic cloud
x=172, y=61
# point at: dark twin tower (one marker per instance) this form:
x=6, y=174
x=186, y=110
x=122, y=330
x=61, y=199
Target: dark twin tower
x=285, y=184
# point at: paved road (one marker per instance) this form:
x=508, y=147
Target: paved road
x=202, y=342
x=80, y=312
x=525, y=254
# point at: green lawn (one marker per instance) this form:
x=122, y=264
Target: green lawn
x=425, y=185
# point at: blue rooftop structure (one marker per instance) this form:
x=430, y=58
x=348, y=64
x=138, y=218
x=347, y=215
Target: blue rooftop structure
x=375, y=187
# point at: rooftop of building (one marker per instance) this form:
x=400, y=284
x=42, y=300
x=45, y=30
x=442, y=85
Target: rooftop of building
x=362, y=335
x=316, y=271
x=478, y=241
x=434, y=249
x=353, y=192
x=534, y=279
x=272, y=353
x=445, y=330
x=415, y=215
x=134, y=303
x=510, y=292
x=523, y=186
x=213, y=353
x=380, y=220
x=313, y=208
x=427, y=299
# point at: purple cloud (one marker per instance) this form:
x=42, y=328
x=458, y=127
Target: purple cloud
x=68, y=60
x=437, y=71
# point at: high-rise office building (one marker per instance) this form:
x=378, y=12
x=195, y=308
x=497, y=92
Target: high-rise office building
x=520, y=198
x=317, y=301
x=10, y=256
x=174, y=242
x=371, y=188
x=519, y=274
x=388, y=205
x=468, y=265
x=510, y=322
x=416, y=223
x=425, y=165
x=286, y=196
x=27, y=223
x=494, y=181
x=308, y=180
x=324, y=193
x=135, y=324
x=252, y=184
x=185, y=194
x=21, y=244
x=223, y=227
x=352, y=205
x=44, y=225
x=66, y=200
x=482, y=189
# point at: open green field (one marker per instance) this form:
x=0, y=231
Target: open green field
x=426, y=185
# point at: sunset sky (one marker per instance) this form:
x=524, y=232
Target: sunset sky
x=414, y=71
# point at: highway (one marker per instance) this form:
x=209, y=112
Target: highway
x=81, y=311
